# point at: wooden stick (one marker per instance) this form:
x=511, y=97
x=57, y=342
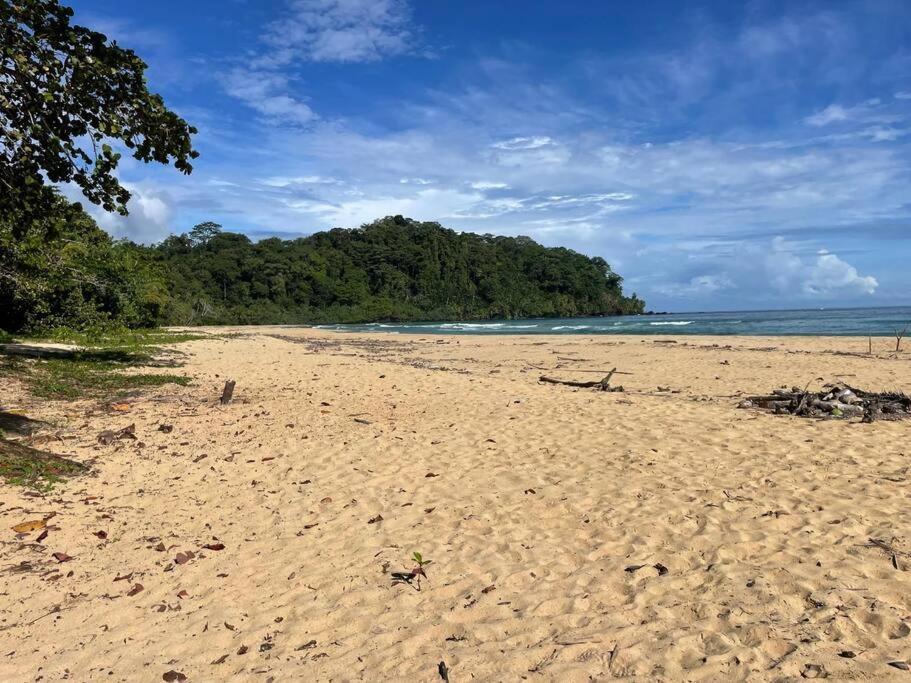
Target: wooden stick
x=228, y=392
x=600, y=372
x=899, y=334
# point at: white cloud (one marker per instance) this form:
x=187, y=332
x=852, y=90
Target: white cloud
x=285, y=181
x=284, y=108
x=429, y=204
x=879, y=134
x=415, y=181
x=737, y=273
x=540, y=151
x=342, y=31
x=871, y=111
x=150, y=219
x=488, y=185
x=673, y=191
x=317, y=31
x=592, y=198
x=830, y=275
x=701, y=285
x=309, y=206
x=521, y=143
x=823, y=277
x=902, y=95
x=267, y=93
x=831, y=114
x=491, y=208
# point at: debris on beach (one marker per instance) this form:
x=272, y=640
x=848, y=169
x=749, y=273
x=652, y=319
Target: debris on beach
x=602, y=384
x=228, y=392
x=109, y=436
x=30, y=526
x=836, y=400
x=660, y=568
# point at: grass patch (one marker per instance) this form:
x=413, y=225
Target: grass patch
x=66, y=378
x=5, y=337
x=97, y=370
x=118, y=338
x=10, y=365
x=24, y=466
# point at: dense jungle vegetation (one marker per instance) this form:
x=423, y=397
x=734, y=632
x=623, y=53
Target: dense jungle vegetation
x=392, y=269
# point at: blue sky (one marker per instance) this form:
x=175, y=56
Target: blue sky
x=719, y=155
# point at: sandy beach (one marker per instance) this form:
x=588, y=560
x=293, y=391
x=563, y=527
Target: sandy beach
x=575, y=535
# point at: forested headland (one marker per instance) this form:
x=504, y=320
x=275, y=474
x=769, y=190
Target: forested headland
x=394, y=269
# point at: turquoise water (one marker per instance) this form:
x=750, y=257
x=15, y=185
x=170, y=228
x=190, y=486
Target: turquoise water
x=877, y=322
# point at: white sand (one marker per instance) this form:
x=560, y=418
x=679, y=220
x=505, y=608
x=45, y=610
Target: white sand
x=541, y=497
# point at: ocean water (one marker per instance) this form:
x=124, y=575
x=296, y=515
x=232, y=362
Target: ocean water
x=876, y=322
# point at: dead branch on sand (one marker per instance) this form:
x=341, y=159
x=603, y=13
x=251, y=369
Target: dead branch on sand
x=602, y=384
x=899, y=335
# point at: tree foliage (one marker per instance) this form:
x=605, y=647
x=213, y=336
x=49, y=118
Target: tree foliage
x=68, y=99
x=65, y=271
x=393, y=269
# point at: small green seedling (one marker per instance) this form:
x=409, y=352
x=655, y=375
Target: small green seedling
x=418, y=571
x=417, y=557
x=413, y=578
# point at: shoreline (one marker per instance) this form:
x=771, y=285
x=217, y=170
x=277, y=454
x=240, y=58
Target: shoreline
x=878, y=322
x=660, y=532
x=852, y=343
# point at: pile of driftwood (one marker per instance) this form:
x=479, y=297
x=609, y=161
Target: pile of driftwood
x=834, y=401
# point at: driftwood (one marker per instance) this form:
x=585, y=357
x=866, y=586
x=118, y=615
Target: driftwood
x=602, y=384
x=600, y=372
x=899, y=335
x=836, y=401
x=227, y=392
